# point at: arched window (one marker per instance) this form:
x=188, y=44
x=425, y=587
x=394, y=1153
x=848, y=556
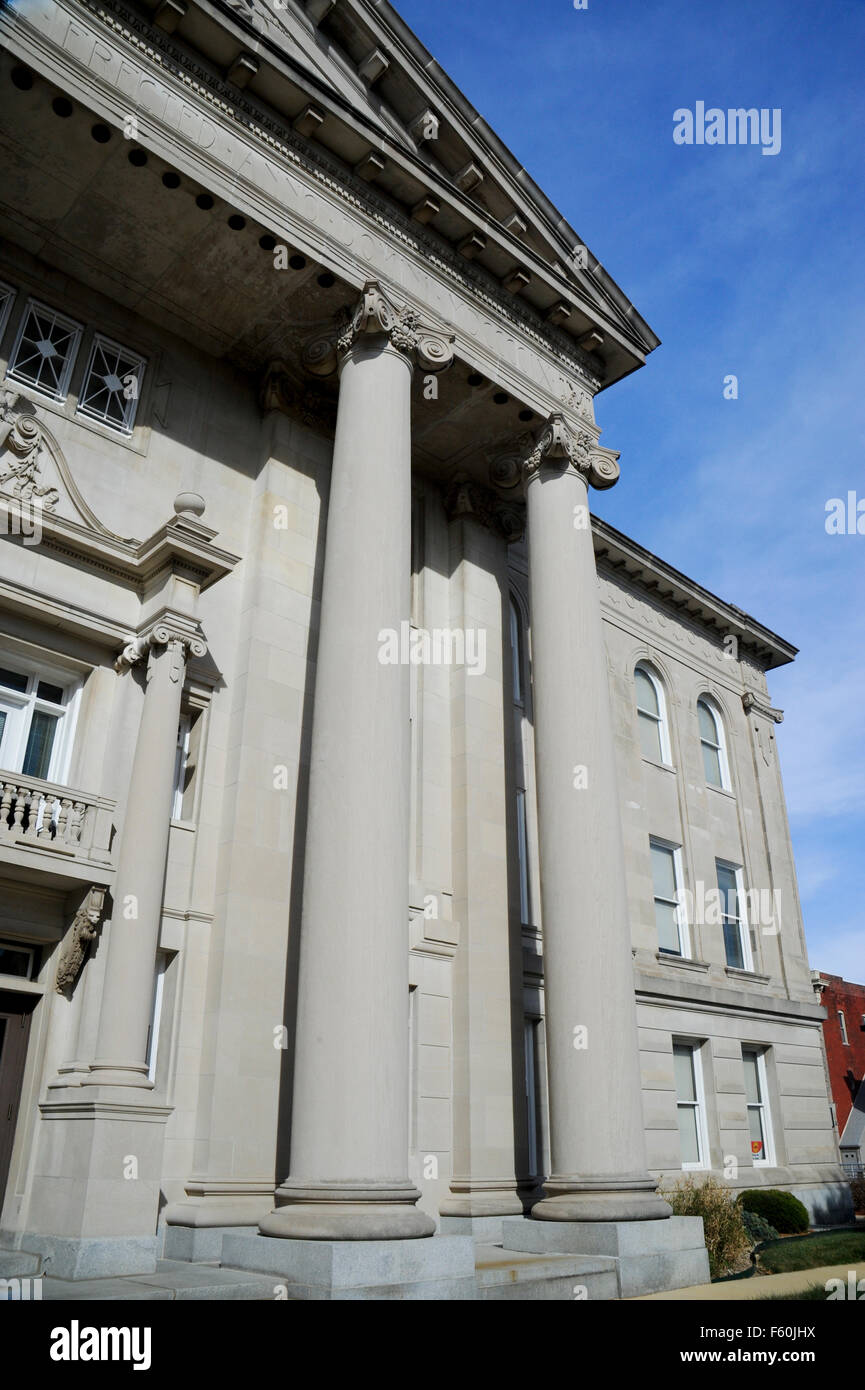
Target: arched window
x=713, y=743
x=652, y=716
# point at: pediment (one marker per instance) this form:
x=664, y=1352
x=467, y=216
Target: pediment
x=34, y=471
x=371, y=83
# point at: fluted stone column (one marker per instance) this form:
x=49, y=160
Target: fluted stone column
x=128, y=989
x=596, y=1118
x=349, y=1142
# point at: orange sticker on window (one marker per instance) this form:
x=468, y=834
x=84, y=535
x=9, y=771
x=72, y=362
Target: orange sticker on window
x=756, y=1146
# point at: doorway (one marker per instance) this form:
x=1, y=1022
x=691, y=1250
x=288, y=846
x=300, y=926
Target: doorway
x=15, y=1014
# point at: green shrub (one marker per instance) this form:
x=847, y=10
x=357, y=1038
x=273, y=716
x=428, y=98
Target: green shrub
x=857, y=1187
x=723, y=1226
x=781, y=1209
x=757, y=1227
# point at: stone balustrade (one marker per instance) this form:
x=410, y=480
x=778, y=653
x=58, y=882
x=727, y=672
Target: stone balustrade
x=51, y=817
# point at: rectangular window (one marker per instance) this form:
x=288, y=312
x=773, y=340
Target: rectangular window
x=842, y=1024
x=152, y=1045
x=44, y=351
x=533, y=1117
x=33, y=720
x=16, y=960
x=7, y=299
x=759, y=1122
x=737, y=945
x=669, y=912
x=688, y=1073
x=112, y=385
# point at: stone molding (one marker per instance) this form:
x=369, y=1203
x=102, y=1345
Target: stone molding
x=754, y=705
x=376, y=315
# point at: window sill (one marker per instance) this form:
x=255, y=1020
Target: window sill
x=721, y=791
x=664, y=767
x=751, y=975
x=683, y=962
x=190, y=825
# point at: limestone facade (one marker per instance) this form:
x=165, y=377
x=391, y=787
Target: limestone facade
x=305, y=936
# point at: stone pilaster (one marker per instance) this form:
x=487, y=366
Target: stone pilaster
x=127, y=994
x=487, y=967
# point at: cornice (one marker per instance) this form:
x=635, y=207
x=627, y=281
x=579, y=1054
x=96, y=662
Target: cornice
x=159, y=49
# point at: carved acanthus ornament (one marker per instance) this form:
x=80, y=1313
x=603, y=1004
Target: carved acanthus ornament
x=376, y=316
x=181, y=644
x=558, y=443
x=464, y=498
x=84, y=929
x=21, y=445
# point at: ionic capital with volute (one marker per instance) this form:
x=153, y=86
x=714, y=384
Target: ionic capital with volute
x=375, y=316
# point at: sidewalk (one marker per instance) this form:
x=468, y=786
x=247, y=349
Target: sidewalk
x=760, y=1286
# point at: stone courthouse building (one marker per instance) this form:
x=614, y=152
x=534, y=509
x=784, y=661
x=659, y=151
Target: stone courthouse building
x=394, y=861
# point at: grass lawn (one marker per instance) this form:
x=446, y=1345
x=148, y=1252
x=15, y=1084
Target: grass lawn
x=812, y=1252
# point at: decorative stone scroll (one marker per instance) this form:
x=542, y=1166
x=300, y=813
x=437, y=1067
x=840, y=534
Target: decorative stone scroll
x=464, y=498
x=84, y=929
x=376, y=316
x=181, y=643
x=557, y=442
x=21, y=446
x=754, y=705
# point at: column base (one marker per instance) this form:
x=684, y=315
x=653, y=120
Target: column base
x=650, y=1256
x=478, y=1209
x=336, y=1270
x=338, y=1221
x=601, y=1199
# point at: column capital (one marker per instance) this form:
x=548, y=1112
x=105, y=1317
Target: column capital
x=559, y=443
x=464, y=498
x=166, y=632
x=376, y=315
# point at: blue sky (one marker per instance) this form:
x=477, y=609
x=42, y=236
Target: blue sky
x=742, y=263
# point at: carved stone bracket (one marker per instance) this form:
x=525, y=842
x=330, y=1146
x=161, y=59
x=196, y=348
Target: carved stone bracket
x=84, y=930
x=375, y=315
x=464, y=498
x=580, y=450
x=280, y=390
x=754, y=705
x=182, y=644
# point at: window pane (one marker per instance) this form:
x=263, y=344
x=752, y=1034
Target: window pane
x=733, y=945
x=650, y=737
x=112, y=385
x=683, y=1069
x=666, y=918
x=45, y=351
x=727, y=885
x=2, y=725
x=712, y=766
x=13, y=680
x=708, y=727
x=755, y=1124
x=663, y=872
x=647, y=696
x=688, y=1134
x=516, y=655
x=752, y=1077
x=40, y=741
x=52, y=693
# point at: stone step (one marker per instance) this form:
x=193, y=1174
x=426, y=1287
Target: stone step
x=174, y=1280
x=17, y=1263
x=510, y=1274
